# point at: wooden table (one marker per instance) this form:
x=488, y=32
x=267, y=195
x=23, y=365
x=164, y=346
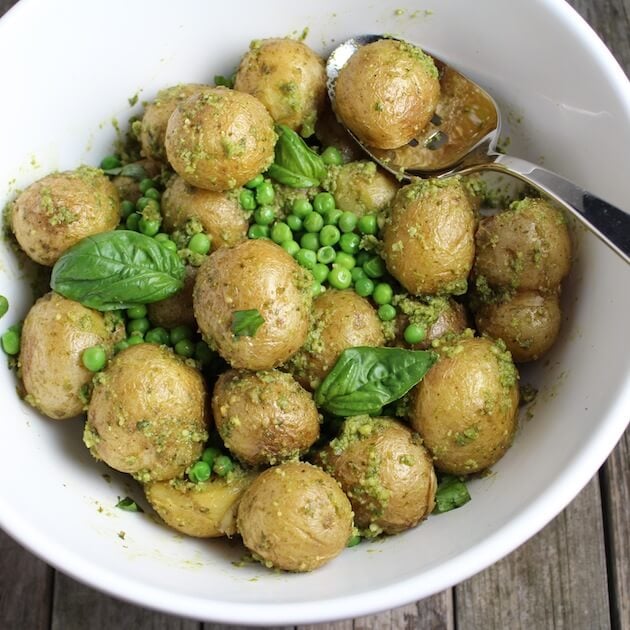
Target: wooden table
x=575, y=574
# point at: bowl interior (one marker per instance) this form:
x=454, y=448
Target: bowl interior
x=64, y=99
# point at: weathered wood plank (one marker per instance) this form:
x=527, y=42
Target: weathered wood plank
x=556, y=580
x=219, y=626
x=25, y=587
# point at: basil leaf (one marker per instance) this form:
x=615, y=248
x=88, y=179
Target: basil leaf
x=136, y=171
x=295, y=164
x=227, y=82
x=118, y=269
x=364, y=379
x=451, y=494
x=129, y=505
x=246, y=323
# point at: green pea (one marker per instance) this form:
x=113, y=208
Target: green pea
x=294, y=222
x=146, y=184
x=161, y=237
x=185, y=348
x=145, y=202
x=347, y=221
x=310, y=241
x=209, y=455
x=414, y=333
x=135, y=339
x=153, y=193
x=329, y=235
x=132, y=222
x=358, y=274
x=258, y=231
x=386, y=312
x=94, y=358
x=11, y=342
x=203, y=354
x=332, y=217
x=265, y=193
x=307, y=258
x=223, y=465
x=170, y=245
x=320, y=272
x=110, y=161
x=199, y=243
x=257, y=181
x=4, y=306
x=383, y=293
x=158, y=336
x=126, y=208
x=120, y=346
x=349, y=243
x=313, y=222
x=137, y=312
x=353, y=541
x=140, y=325
x=345, y=260
x=199, y=471
x=247, y=200
x=180, y=332
x=302, y=207
x=364, y=286
x=149, y=227
x=363, y=257
x=280, y=233
x=326, y=254
x=374, y=267
x=339, y=277
x=291, y=247
x=331, y=156
x=264, y=215
x=367, y=224
x=323, y=202
x=316, y=288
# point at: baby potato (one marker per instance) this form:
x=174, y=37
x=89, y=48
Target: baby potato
x=528, y=322
x=332, y=134
x=362, y=188
x=385, y=471
x=59, y=210
x=341, y=319
x=260, y=277
x=295, y=517
x=56, y=332
x=206, y=509
x=387, y=93
x=264, y=417
x=219, y=139
x=219, y=213
x=527, y=247
x=288, y=78
x=154, y=121
x=466, y=406
x=428, y=239
x=147, y=415
x=176, y=310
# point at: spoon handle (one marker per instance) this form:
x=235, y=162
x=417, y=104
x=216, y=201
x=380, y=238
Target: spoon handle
x=609, y=223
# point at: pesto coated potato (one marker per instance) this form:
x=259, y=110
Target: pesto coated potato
x=264, y=417
x=219, y=139
x=288, y=78
x=219, y=213
x=466, y=406
x=387, y=93
x=59, y=210
x=295, y=517
x=147, y=415
x=56, y=332
x=428, y=239
x=528, y=322
x=341, y=319
x=527, y=247
x=206, y=509
x=176, y=310
x=385, y=471
x=257, y=276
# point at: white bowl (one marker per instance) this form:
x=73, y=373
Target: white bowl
x=69, y=67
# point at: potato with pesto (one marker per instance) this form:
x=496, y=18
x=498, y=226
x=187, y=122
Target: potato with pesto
x=466, y=407
x=528, y=322
x=176, y=310
x=206, y=509
x=147, y=414
x=219, y=139
x=387, y=93
x=252, y=302
x=219, y=213
x=56, y=333
x=288, y=78
x=59, y=210
x=264, y=417
x=428, y=238
x=295, y=517
x=340, y=320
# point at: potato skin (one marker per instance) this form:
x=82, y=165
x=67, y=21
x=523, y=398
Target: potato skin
x=176, y=310
x=528, y=322
x=204, y=510
x=385, y=471
x=147, y=415
x=219, y=213
x=295, y=517
x=219, y=139
x=526, y=248
x=59, y=210
x=466, y=406
x=264, y=417
x=387, y=93
x=256, y=274
x=288, y=78
x=428, y=239
x=56, y=332
x=341, y=319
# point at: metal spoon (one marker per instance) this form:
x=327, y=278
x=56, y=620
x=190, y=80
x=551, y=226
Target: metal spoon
x=462, y=139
